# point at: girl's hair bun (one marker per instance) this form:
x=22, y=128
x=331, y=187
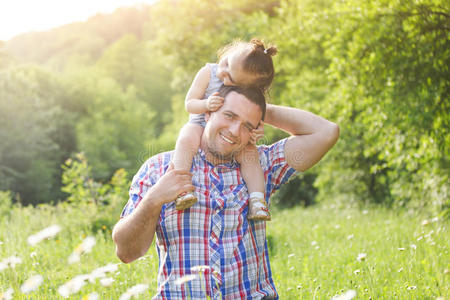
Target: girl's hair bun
x=259, y=45
x=272, y=51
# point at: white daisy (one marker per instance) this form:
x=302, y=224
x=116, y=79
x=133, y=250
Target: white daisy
x=31, y=284
x=46, y=233
x=348, y=295
x=133, y=291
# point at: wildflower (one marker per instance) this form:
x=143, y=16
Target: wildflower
x=357, y=271
x=425, y=222
x=85, y=247
x=348, y=295
x=184, y=279
x=337, y=226
x=101, y=272
x=419, y=238
x=446, y=271
x=399, y=270
x=33, y=254
x=10, y=262
x=133, y=291
x=412, y=287
x=73, y=286
x=46, y=233
x=365, y=212
x=291, y=255
x=413, y=246
x=200, y=269
x=31, y=284
x=7, y=295
x=313, y=243
x=350, y=237
x=361, y=256
x=401, y=249
x=435, y=219
x=106, y=281
x=291, y=268
x=288, y=289
x=91, y=296
x=1, y=243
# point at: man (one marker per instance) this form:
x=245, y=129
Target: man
x=215, y=233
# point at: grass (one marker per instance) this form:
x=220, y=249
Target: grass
x=313, y=254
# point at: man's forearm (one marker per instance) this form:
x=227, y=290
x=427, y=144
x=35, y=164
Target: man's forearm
x=311, y=136
x=294, y=121
x=134, y=234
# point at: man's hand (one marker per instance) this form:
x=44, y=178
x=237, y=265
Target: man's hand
x=172, y=184
x=214, y=102
x=257, y=133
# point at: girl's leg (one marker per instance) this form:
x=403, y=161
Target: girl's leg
x=186, y=147
x=254, y=178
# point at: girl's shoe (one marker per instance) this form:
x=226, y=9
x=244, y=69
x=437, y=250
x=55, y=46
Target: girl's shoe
x=257, y=209
x=185, y=200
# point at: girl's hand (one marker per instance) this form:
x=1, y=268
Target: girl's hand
x=214, y=102
x=171, y=184
x=257, y=133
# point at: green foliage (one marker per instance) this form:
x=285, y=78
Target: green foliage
x=392, y=108
x=34, y=133
x=102, y=202
x=5, y=202
x=299, y=191
x=379, y=69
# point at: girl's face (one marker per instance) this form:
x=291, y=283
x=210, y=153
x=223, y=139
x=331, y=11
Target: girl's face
x=230, y=70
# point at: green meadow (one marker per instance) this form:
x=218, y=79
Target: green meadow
x=314, y=254
x=111, y=91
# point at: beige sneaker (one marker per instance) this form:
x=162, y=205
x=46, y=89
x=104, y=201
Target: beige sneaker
x=185, y=200
x=257, y=209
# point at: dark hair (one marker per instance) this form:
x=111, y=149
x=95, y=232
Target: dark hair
x=254, y=95
x=258, y=61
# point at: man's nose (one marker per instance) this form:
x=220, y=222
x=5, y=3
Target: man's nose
x=235, y=128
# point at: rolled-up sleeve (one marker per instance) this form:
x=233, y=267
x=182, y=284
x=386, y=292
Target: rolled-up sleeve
x=142, y=181
x=276, y=169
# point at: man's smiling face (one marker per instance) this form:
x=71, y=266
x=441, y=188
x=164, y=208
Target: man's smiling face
x=228, y=130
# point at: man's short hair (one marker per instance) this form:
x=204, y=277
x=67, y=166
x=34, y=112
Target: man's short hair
x=254, y=95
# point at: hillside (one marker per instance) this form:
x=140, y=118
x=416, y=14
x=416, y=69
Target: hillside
x=86, y=40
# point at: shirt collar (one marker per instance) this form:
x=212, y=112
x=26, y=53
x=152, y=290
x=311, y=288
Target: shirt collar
x=233, y=164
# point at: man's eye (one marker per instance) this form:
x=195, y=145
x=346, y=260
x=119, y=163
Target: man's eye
x=248, y=128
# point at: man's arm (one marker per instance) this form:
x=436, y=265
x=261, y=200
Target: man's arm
x=311, y=136
x=134, y=234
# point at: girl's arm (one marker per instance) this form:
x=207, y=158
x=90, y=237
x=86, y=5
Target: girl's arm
x=195, y=104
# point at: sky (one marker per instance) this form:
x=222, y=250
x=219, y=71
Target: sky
x=20, y=16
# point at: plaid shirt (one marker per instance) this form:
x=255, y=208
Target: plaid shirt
x=214, y=232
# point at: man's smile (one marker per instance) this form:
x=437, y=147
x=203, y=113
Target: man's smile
x=227, y=139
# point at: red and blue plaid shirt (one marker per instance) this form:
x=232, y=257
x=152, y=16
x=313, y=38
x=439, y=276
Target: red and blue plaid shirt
x=214, y=232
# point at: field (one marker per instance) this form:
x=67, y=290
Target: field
x=316, y=253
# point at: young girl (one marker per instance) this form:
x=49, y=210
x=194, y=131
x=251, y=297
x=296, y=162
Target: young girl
x=246, y=64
